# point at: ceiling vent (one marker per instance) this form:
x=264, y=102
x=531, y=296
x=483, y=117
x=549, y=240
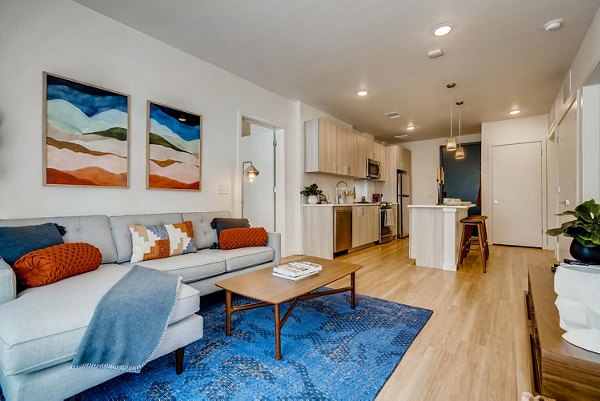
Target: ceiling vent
x=392, y=114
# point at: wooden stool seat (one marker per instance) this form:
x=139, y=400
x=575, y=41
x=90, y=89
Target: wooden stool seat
x=469, y=224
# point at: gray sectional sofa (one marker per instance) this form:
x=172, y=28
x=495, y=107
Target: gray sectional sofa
x=41, y=328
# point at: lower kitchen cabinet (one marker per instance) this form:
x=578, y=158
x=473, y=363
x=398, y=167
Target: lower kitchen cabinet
x=365, y=225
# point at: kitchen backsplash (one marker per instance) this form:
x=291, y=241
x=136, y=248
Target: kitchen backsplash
x=328, y=183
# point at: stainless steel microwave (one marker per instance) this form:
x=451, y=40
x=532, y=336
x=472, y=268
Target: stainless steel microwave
x=373, y=169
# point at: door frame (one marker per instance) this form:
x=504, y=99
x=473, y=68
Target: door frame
x=278, y=166
x=542, y=186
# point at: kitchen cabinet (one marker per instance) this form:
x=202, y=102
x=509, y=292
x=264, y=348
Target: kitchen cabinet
x=360, y=155
x=365, y=225
x=379, y=151
x=345, y=147
x=334, y=149
x=403, y=160
x=320, y=146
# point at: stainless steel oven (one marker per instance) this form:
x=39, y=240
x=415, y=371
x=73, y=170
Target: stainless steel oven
x=386, y=222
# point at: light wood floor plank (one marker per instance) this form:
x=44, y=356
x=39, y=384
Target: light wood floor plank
x=474, y=346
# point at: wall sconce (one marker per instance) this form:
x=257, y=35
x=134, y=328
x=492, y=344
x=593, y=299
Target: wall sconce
x=251, y=172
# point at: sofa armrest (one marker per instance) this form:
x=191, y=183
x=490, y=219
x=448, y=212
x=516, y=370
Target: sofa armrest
x=8, y=283
x=274, y=241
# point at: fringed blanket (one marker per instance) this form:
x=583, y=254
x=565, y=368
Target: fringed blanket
x=129, y=321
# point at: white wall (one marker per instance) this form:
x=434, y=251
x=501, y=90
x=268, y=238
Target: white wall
x=425, y=162
x=68, y=39
x=506, y=132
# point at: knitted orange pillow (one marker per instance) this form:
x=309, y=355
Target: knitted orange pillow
x=52, y=264
x=233, y=238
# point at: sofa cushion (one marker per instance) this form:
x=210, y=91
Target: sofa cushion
x=162, y=241
x=55, y=263
x=122, y=235
x=191, y=266
x=18, y=241
x=44, y=326
x=236, y=259
x=93, y=230
x=204, y=235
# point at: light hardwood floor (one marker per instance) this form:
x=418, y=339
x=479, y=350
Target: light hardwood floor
x=474, y=347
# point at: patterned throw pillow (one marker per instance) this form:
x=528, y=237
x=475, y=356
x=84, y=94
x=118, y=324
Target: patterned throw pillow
x=233, y=238
x=52, y=264
x=162, y=241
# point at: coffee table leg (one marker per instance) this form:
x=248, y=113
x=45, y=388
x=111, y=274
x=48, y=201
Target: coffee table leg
x=277, y=333
x=228, y=312
x=352, y=290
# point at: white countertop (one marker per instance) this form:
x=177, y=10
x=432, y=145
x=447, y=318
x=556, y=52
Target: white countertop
x=342, y=204
x=444, y=206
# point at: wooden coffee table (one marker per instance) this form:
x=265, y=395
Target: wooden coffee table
x=269, y=290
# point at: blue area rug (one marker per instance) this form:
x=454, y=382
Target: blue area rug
x=330, y=352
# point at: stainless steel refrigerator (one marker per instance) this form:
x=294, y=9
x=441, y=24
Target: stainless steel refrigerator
x=403, y=191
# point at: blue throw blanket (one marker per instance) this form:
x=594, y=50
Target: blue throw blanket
x=129, y=321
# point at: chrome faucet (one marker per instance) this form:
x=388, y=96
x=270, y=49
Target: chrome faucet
x=338, y=195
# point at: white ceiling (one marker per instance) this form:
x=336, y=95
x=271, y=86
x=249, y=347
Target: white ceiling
x=322, y=51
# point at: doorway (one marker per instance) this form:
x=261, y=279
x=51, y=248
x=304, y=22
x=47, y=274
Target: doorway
x=517, y=194
x=258, y=147
x=463, y=176
x=566, y=189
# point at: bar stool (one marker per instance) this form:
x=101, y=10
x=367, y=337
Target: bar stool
x=466, y=239
x=484, y=236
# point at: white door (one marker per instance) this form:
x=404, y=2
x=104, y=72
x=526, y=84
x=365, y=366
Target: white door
x=517, y=194
x=567, y=173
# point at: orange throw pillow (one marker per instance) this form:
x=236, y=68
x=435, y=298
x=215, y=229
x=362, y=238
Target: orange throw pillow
x=52, y=264
x=233, y=238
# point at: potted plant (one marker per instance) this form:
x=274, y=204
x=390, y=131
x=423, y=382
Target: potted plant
x=585, y=231
x=313, y=192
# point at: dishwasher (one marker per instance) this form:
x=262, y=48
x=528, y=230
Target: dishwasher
x=342, y=228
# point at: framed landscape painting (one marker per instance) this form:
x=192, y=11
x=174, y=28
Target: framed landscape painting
x=174, y=148
x=85, y=134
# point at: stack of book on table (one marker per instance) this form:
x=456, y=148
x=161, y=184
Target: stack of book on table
x=296, y=270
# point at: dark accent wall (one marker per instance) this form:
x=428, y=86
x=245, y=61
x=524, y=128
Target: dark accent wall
x=463, y=177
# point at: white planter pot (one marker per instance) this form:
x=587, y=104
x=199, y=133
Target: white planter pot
x=312, y=199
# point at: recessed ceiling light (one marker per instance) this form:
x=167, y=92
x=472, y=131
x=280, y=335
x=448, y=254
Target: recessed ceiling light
x=410, y=127
x=451, y=85
x=435, y=53
x=362, y=92
x=553, y=25
x=515, y=112
x=401, y=136
x=442, y=29
x=393, y=114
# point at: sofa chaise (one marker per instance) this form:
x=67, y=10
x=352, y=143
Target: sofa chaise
x=41, y=328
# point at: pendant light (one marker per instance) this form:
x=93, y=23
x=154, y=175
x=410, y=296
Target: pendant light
x=460, y=151
x=451, y=142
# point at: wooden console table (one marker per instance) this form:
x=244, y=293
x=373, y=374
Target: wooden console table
x=560, y=370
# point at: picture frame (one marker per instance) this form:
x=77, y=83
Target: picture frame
x=85, y=134
x=173, y=148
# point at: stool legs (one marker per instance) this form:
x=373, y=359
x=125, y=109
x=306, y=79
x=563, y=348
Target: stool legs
x=468, y=226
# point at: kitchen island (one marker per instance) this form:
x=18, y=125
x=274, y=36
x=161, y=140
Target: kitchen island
x=434, y=234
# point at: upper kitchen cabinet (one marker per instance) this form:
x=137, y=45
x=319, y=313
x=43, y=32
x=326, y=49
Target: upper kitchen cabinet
x=361, y=154
x=345, y=147
x=379, y=155
x=334, y=149
x=403, y=160
x=320, y=151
